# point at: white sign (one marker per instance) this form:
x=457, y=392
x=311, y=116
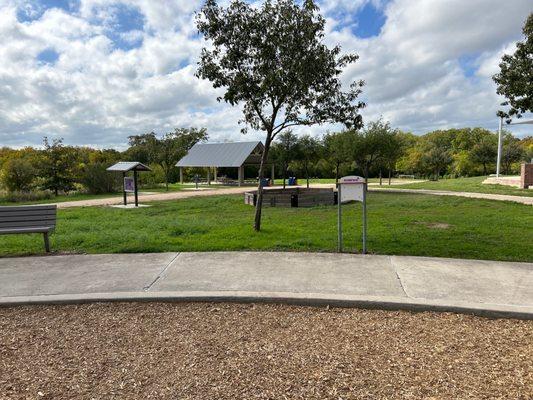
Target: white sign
x=129, y=184
x=352, y=188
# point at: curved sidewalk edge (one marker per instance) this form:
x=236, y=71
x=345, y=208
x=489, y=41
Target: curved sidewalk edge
x=302, y=299
x=472, y=195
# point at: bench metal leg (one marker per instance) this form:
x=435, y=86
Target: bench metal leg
x=46, y=242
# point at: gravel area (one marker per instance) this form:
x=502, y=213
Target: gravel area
x=235, y=351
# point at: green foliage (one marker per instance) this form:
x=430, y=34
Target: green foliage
x=514, y=80
x=285, y=150
x=17, y=174
x=97, y=180
x=165, y=151
x=484, y=152
x=26, y=196
x=57, y=166
x=272, y=59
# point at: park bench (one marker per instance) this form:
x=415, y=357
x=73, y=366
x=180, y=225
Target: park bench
x=28, y=219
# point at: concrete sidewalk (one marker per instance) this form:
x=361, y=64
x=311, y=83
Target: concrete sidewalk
x=391, y=282
x=486, y=196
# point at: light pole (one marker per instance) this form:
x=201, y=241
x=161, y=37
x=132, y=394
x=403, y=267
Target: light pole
x=499, y=148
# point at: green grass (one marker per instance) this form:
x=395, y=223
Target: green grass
x=408, y=224
x=472, y=184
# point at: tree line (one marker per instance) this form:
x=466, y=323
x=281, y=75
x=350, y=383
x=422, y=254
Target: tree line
x=378, y=150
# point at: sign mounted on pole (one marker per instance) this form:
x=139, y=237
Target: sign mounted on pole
x=129, y=184
x=351, y=188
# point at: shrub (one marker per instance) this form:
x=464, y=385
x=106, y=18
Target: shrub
x=17, y=175
x=97, y=180
x=20, y=197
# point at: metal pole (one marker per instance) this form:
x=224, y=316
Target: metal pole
x=364, y=218
x=124, y=188
x=499, y=148
x=339, y=219
x=136, y=191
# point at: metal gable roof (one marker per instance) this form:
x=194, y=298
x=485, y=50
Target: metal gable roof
x=125, y=166
x=219, y=154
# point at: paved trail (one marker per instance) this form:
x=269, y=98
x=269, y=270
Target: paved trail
x=391, y=282
x=184, y=194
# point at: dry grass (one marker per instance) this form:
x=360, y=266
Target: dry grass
x=232, y=351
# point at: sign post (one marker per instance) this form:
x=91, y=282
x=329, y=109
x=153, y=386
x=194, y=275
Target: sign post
x=351, y=188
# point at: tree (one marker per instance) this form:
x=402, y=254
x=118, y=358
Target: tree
x=484, y=152
x=368, y=145
x=393, y=149
x=17, y=174
x=272, y=60
x=309, y=152
x=511, y=152
x=168, y=150
x=436, y=159
x=514, y=80
x=57, y=165
x=337, y=150
x=285, y=150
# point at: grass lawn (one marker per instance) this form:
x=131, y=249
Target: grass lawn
x=408, y=224
x=472, y=184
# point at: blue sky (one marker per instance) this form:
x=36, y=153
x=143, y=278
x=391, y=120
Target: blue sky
x=97, y=71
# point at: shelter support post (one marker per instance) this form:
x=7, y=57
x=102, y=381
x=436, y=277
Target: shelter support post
x=135, y=188
x=209, y=175
x=124, y=189
x=241, y=175
x=215, y=174
x=181, y=175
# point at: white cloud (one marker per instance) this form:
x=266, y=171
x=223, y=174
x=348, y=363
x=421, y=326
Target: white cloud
x=98, y=94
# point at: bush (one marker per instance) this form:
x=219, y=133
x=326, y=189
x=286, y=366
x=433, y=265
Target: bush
x=97, y=180
x=17, y=175
x=21, y=197
x=154, y=178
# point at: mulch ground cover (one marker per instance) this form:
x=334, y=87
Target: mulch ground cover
x=236, y=351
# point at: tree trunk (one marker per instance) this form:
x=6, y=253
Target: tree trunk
x=307, y=175
x=380, y=178
x=284, y=174
x=366, y=172
x=484, y=169
x=390, y=176
x=259, y=203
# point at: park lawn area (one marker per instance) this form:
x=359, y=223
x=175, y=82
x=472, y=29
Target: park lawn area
x=407, y=224
x=471, y=184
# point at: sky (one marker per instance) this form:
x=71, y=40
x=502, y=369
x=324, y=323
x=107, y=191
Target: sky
x=97, y=71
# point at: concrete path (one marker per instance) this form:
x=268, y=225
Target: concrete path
x=390, y=282
x=500, y=197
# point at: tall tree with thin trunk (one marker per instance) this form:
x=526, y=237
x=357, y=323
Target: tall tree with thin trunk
x=309, y=153
x=272, y=60
x=286, y=151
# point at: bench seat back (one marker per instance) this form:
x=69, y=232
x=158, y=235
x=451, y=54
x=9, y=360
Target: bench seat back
x=27, y=217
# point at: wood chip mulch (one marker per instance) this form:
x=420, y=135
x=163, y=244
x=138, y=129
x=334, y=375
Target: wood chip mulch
x=239, y=351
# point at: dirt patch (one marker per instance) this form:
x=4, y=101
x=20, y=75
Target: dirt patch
x=231, y=351
x=435, y=225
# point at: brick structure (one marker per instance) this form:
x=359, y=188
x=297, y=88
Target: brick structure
x=526, y=176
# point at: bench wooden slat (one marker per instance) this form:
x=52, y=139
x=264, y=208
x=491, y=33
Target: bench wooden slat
x=33, y=229
x=15, y=224
x=12, y=213
x=48, y=217
x=28, y=208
